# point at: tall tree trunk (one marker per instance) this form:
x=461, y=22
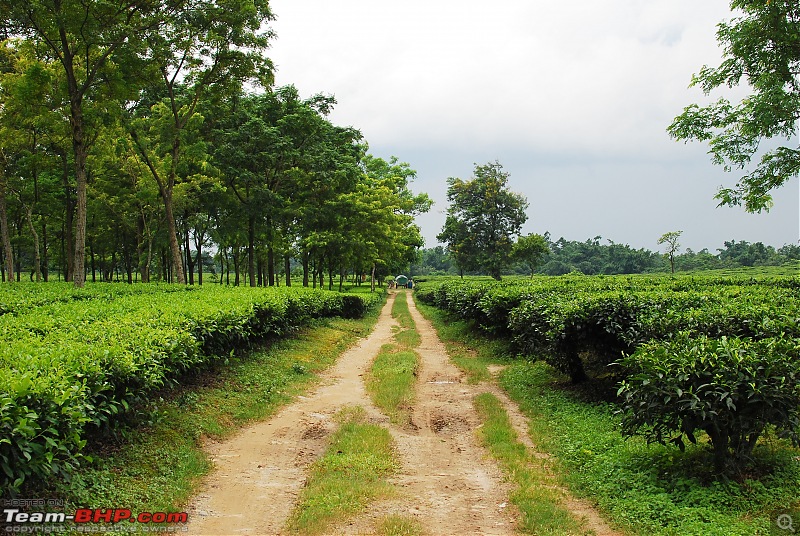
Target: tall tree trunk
x=112, y=267
x=140, y=240
x=199, y=263
x=18, y=256
x=168, y=263
x=199, y=240
x=271, y=265
x=237, y=257
x=80, y=150
x=69, y=216
x=251, y=249
x=172, y=232
x=146, y=270
x=165, y=189
x=8, y=253
x=287, y=266
x=63, y=268
x=91, y=257
x=227, y=269
x=79, y=268
x=270, y=253
x=127, y=257
x=37, y=259
x=372, y=284
x=306, y=258
x=45, y=255
x=189, y=261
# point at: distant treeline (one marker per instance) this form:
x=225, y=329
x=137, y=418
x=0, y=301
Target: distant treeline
x=597, y=256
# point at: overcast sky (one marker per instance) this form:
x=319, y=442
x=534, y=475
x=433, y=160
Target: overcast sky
x=572, y=98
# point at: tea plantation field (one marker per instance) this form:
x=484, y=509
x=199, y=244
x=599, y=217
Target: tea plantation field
x=691, y=354
x=72, y=361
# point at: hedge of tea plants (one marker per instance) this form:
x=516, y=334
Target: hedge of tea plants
x=73, y=360
x=719, y=355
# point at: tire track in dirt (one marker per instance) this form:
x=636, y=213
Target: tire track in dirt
x=259, y=473
x=580, y=509
x=447, y=483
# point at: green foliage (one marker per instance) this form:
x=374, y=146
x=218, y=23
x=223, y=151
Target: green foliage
x=302, y=187
x=71, y=368
x=531, y=249
x=591, y=257
x=732, y=389
x=94, y=42
x=171, y=145
x=701, y=354
x=673, y=246
x=482, y=219
x=581, y=325
x=155, y=465
x=761, y=49
x=656, y=489
x=643, y=489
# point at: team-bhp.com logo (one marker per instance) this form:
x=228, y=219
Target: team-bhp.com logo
x=93, y=520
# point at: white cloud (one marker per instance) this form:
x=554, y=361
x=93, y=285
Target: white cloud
x=596, y=75
x=581, y=89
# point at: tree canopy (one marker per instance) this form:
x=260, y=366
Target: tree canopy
x=531, y=250
x=93, y=42
x=596, y=257
x=673, y=246
x=761, y=48
x=138, y=140
x=482, y=220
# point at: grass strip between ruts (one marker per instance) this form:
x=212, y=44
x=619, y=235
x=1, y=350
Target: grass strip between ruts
x=393, y=374
x=352, y=472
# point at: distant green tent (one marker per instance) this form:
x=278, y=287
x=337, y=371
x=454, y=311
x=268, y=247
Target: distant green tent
x=401, y=280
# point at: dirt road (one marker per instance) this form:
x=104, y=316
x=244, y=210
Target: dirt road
x=447, y=483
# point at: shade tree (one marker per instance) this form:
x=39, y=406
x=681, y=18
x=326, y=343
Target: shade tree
x=154, y=107
x=208, y=49
x=531, y=250
x=483, y=219
x=672, y=245
x=33, y=134
x=87, y=39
